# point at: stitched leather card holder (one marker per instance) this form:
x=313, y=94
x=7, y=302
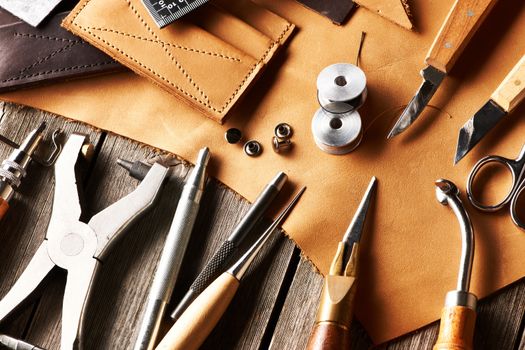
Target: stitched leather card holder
x=34, y=56
x=208, y=59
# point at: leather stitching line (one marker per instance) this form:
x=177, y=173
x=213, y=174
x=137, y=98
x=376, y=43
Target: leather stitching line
x=170, y=55
x=48, y=57
x=35, y=36
x=59, y=70
x=211, y=53
x=218, y=110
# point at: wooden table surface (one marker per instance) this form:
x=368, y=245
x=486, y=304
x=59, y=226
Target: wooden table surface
x=276, y=303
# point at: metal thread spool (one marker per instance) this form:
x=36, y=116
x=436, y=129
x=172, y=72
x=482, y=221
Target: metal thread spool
x=337, y=133
x=342, y=85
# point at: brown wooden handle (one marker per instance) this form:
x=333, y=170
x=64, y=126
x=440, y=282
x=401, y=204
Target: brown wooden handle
x=512, y=89
x=4, y=206
x=199, y=319
x=456, y=331
x=461, y=23
x=329, y=336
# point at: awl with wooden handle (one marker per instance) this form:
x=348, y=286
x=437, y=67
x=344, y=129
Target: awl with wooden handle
x=461, y=23
x=507, y=96
x=458, y=317
x=199, y=319
x=332, y=326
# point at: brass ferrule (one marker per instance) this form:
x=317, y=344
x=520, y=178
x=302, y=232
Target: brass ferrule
x=339, y=289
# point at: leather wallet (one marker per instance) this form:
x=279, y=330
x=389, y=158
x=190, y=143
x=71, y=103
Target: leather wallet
x=208, y=59
x=33, y=56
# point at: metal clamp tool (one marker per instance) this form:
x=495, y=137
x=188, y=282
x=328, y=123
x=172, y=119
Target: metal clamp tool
x=458, y=317
x=76, y=246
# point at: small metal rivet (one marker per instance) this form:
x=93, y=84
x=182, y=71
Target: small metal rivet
x=233, y=135
x=283, y=131
x=280, y=145
x=252, y=148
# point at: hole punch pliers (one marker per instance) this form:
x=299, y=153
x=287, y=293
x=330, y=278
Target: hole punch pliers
x=76, y=246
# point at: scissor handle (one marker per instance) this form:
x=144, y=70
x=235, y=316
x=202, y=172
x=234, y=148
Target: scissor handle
x=513, y=204
x=514, y=170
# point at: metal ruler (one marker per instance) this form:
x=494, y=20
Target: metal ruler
x=165, y=12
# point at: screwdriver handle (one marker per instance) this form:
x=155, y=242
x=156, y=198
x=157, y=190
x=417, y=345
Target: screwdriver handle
x=4, y=206
x=461, y=23
x=199, y=319
x=456, y=331
x=512, y=89
x=329, y=336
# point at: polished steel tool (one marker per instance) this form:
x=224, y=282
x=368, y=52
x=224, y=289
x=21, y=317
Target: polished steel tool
x=137, y=169
x=75, y=246
x=506, y=97
x=332, y=326
x=14, y=168
x=16, y=344
x=461, y=23
x=458, y=317
x=517, y=171
x=197, y=322
x=165, y=12
x=172, y=254
x=222, y=257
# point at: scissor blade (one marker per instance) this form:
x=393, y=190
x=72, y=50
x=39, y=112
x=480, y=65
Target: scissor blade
x=477, y=127
x=354, y=231
x=432, y=78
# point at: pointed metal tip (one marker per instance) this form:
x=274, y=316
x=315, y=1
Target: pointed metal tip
x=203, y=157
x=41, y=127
x=395, y=131
x=353, y=233
x=279, y=180
x=126, y=164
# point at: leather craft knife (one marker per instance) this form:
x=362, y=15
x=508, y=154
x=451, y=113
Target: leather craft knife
x=461, y=23
x=507, y=96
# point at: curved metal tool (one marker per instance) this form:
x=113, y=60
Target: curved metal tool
x=459, y=314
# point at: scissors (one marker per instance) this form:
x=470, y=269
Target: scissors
x=517, y=170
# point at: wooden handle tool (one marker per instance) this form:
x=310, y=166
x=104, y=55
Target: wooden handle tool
x=199, y=319
x=331, y=330
x=461, y=23
x=4, y=207
x=511, y=91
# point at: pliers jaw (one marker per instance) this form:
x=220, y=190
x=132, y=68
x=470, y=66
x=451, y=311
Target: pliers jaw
x=76, y=246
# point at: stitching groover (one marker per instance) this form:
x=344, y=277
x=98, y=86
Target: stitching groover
x=206, y=103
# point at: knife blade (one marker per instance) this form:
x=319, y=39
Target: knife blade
x=461, y=23
x=505, y=98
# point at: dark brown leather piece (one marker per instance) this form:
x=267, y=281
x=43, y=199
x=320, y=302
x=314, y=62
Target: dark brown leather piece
x=335, y=10
x=34, y=56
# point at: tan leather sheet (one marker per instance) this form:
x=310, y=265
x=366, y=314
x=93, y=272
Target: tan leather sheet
x=411, y=249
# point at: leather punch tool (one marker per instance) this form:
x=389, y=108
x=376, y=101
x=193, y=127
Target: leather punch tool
x=76, y=246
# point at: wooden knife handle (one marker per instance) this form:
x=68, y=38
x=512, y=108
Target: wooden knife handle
x=4, y=206
x=199, y=319
x=329, y=336
x=461, y=23
x=456, y=331
x=511, y=91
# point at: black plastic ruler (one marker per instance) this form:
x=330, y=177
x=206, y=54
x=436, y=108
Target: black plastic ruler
x=165, y=12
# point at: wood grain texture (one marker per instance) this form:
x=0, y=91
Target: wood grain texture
x=199, y=319
x=456, y=329
x=4, y=207
x=461, y=23
x=511, y=91
x=328, y=336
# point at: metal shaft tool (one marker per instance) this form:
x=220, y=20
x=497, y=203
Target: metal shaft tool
x=16, y=344
x=220, y=260
x=507, y=96
x=197, y=322
x=461, y=23
x=14, y=168
x=458, y=317
x=334, y=317
x=173, y=253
